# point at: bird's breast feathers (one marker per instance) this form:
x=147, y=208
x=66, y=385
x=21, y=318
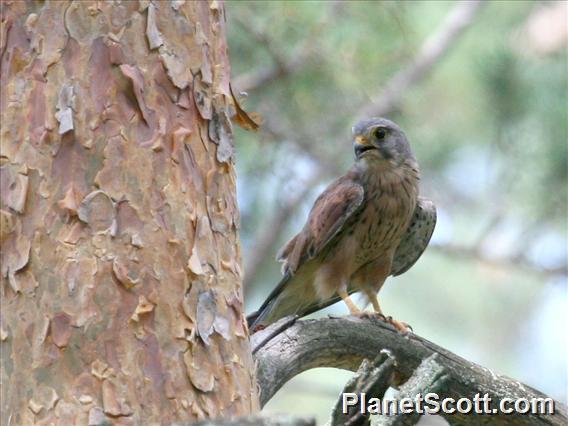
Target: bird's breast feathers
x=375, y=231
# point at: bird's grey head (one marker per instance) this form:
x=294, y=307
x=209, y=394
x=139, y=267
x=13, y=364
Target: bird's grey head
x=380, y=139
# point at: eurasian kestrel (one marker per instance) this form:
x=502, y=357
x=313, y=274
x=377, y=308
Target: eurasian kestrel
x=368, y=224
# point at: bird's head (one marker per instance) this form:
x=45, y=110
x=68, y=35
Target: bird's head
x=380, y=139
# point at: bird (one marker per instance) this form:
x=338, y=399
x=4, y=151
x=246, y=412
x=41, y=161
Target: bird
x=365, y=226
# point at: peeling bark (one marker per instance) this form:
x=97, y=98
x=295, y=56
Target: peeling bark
x=121, y=278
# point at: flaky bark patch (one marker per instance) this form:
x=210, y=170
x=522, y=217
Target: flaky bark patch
x=121, y=279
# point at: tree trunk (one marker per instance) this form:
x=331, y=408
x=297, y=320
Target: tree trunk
x=121, y=282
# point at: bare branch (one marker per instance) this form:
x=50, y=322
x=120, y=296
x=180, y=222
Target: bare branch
x=373, y=379
x=262, y=336
x=428, y=377
x=344, y=343
x=255, y=79
x=433, y=49
x=262, y=37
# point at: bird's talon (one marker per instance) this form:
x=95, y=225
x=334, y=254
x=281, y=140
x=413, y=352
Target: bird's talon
x=259, y=327
x=369, y=315
x=400, y=326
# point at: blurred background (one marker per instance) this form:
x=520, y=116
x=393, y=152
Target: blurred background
x=481, y=91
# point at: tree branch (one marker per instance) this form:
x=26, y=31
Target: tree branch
x=428, y=377
x=433, y=49
x=257, y=78
x=374, y=380
x=345, y=342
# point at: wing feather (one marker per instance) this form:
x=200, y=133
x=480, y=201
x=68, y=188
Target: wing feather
x=409, y=250
x=416, y=238
x=331, y=210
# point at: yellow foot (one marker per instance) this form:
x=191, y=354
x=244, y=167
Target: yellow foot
x=400, y=326
x=369, y=314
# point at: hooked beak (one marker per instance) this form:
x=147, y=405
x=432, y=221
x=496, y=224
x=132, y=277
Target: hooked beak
x=361, y=144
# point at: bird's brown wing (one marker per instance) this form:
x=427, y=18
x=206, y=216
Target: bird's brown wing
x=416, y=238
x=284, y=301
x=411, y=247
x=330, y=212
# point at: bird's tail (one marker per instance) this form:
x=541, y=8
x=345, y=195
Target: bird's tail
x=267, y=314
x=251, y=318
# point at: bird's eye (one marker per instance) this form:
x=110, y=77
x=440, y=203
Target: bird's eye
x=380, y=133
